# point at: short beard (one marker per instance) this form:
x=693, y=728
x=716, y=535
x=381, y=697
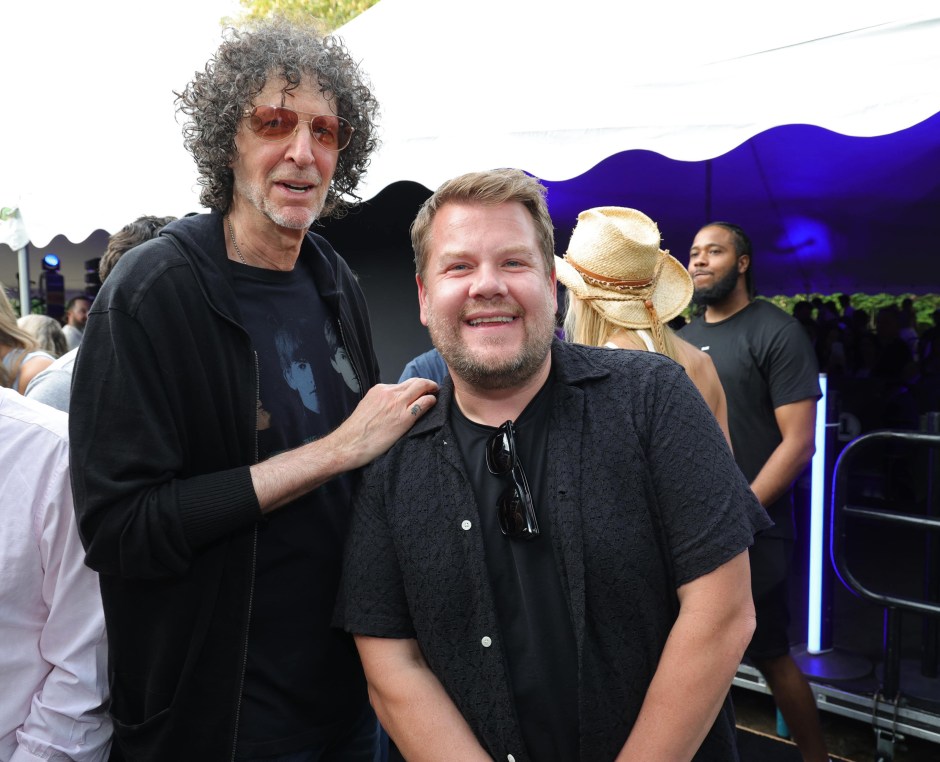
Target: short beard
x=718, y=292
x=255, y=196
x=485, y=375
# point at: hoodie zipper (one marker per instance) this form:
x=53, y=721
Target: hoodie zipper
x=254, y=559
x=351, y=356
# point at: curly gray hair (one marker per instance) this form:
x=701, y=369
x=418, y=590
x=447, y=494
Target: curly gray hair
x=215, y=100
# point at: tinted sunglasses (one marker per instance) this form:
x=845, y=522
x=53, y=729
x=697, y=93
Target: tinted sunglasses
x=515, y=510
x=277, y=123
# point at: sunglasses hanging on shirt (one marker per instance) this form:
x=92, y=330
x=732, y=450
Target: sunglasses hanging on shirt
x=515, y=510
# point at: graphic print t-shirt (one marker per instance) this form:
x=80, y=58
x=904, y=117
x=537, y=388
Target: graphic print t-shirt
x=301, y=675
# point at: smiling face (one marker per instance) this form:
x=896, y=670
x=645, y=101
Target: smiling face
x=486, y=295
x=286, y=182
x=714, y=265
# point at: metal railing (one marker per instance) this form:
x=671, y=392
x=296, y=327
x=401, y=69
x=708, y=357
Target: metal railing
x=894, y=604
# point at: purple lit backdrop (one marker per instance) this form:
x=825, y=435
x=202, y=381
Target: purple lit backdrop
x=826, y=212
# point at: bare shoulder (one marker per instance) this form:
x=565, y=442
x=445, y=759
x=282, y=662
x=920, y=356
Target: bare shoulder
x=696, y=362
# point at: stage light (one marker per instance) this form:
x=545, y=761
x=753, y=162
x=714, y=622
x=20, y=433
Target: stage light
x=817, y=517
x=52, y=287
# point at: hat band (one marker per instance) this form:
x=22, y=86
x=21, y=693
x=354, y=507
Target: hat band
x=628, y=289
x=602, y=281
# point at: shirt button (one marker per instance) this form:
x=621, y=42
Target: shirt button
x=487, y=641
x=465, y=525
x=510, y=758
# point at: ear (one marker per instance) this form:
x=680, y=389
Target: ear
x=744, y=262
x=554, y=282
x=422, y=300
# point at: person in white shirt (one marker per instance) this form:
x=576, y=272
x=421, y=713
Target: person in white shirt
x=53, y=664
x=76, y=316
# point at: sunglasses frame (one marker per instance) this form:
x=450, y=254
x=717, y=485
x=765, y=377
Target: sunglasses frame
x=250, y=113
x=515, y=493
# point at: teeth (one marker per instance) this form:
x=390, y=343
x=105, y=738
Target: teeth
x=477, y=321
x=296, y=187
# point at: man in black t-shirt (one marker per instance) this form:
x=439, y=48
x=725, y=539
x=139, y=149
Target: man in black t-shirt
x=768, y=369
x=551, y=564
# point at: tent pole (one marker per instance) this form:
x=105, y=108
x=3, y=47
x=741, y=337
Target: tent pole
x=26, y=302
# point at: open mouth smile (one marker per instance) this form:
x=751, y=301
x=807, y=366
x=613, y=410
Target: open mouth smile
x=296, y=188
x=490, y=320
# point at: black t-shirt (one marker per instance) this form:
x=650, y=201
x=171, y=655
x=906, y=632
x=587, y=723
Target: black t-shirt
x=531, y=605
x=303, y=680
x=764, y=360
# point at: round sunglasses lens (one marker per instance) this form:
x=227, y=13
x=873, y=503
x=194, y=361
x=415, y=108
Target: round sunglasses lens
x=273, y=123
x=326, y=130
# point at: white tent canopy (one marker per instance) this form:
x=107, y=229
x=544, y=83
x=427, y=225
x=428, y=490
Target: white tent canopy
x=89, y=137
x=555, y=87
x=90, y=140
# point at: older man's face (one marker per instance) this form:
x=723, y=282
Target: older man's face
x=285, y=182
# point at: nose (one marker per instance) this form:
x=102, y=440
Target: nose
x=300, y=149
x=488, y=282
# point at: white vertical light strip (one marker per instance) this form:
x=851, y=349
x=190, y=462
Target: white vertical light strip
x=817, y=517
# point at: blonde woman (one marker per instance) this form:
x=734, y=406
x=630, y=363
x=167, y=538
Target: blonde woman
x=623, y=289
x=46, y=332
x=20, y=358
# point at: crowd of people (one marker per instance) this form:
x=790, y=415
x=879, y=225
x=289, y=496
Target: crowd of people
x=882, y=364
x=239, y=545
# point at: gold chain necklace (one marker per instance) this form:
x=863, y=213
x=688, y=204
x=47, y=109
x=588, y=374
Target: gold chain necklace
x=231, y=231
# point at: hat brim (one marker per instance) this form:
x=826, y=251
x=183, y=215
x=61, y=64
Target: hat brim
x=671, y=296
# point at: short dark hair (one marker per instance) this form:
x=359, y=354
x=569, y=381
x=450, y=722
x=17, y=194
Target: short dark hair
x=131, y=235
x=742, y=247
x=71, y=302
x=288, y=339
x=216, y=99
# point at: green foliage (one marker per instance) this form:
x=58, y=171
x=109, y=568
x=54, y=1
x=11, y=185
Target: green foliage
x=330, y=13
x=924, y=304
x=36, y=305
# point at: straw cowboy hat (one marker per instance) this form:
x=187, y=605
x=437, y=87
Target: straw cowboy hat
x=614, y=261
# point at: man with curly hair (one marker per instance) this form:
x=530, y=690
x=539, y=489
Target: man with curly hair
x=212, y=504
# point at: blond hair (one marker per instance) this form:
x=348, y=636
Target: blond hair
x=47, y=332
x=12, y=337
x=585, y=324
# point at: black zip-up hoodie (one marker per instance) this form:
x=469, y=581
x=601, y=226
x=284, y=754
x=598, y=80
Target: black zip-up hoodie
x=163, y=431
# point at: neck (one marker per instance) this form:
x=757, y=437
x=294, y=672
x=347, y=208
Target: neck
x=253, y=239
x=737, y=300
x=493, y=407
x=625, y=339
